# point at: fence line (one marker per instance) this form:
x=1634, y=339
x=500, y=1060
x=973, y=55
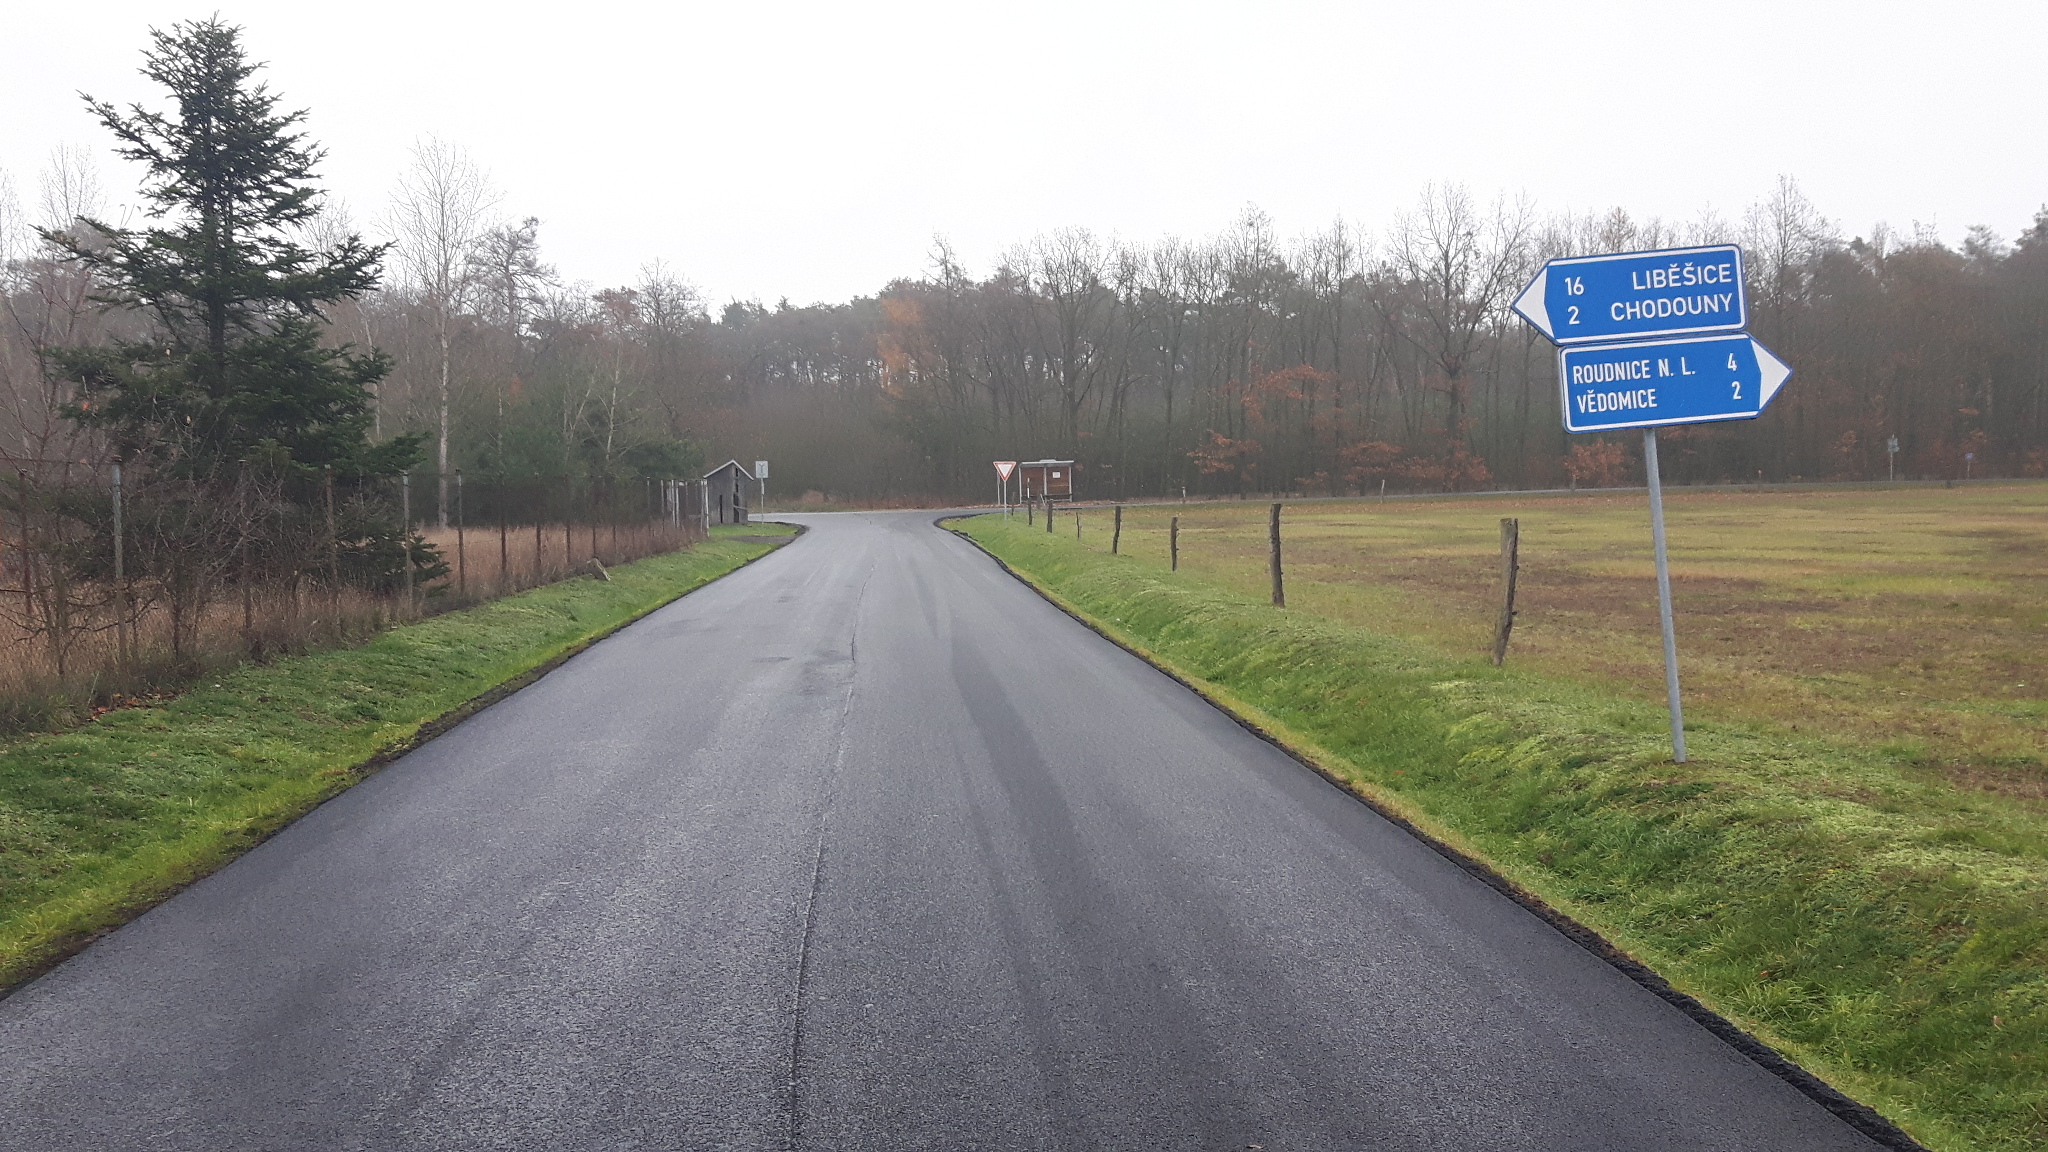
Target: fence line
x=109, y=592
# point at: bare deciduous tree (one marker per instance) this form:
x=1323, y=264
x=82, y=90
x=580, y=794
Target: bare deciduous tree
x=438, y=213
x=1462, y=266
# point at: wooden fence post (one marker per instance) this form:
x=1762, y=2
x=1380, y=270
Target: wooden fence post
x=120, y=577
x=1077, y=525
x=248, y=576
x=1116, y=535
x=28, y=563
x=1048, y=516
x=1273, y=540
x=1031, y=514
x=1173, y=544
x=504, y=542
x=405, y=530
x=461, y=557
x=1510, y=564
x=333, y=548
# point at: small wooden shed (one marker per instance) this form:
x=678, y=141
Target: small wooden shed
x=726, y=488
x=1046, y=479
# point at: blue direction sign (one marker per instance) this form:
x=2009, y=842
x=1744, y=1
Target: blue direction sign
x=1667, y=382
x=1636, y=295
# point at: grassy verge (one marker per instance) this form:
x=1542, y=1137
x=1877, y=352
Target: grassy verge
x=99, y=823
x=1883, y=928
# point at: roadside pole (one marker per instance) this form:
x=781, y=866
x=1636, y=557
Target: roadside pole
x=121, y=576
x=405, y=530
x=1273, y=557
x=1003, y=470
x=1664, y=596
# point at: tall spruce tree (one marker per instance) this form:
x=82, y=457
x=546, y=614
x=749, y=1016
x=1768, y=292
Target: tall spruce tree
x=229, y=383
x=234, y=359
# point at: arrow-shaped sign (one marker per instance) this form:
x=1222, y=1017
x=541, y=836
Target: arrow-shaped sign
x=1633, y=295
x=1667, y=382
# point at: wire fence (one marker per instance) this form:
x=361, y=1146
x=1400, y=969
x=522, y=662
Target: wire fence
x=115, y=587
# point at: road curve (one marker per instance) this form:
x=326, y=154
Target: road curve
x=863, y=847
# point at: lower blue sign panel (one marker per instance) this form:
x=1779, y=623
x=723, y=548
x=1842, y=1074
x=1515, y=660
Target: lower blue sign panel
x=1690, y=381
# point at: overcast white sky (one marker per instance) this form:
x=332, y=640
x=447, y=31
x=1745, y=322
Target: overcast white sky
x=812, y=150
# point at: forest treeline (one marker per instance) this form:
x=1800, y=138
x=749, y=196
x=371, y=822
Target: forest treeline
x=1244, y=361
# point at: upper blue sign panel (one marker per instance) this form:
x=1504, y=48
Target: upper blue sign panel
x=1657, y=382
x=1638, y=295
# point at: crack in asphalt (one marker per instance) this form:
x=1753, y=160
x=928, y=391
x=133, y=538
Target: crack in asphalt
x=794, y=1138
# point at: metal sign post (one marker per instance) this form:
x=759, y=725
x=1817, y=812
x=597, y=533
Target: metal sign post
x=1647, y=339
x=761, y=474
x=1664, y=595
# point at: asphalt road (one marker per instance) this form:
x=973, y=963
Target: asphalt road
x=862, y=847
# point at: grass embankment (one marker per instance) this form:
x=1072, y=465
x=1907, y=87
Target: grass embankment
x=99, y=823
x=1881, y=925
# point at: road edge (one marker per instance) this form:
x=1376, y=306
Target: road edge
x=1860, y=1116
x=429, y=730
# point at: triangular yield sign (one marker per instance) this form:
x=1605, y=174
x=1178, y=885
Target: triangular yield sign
x=1004, y=468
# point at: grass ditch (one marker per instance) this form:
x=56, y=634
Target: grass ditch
x=1886, y=930
x=99, y=823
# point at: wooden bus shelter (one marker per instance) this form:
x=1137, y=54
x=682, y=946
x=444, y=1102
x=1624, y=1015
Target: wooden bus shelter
x=1046, y=479
x=725, y=493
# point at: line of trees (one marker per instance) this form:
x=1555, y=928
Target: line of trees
x=1329, y=362
x=1333, y=362
x=1340, y=361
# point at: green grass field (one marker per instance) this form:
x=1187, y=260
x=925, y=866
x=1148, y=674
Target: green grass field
x=1855, y=863
x=100, y=822
x=1916, y=617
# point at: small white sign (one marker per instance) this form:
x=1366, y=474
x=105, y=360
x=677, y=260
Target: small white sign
x=760, y=469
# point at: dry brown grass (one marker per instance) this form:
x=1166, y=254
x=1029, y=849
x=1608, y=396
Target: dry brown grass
x=50, y=681
x=1916, y=616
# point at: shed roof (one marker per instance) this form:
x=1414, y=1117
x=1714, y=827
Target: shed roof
x=733, y=464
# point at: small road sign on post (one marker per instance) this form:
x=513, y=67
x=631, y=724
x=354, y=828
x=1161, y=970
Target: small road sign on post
x=1647, y=339
x=761, y=474
x=1637, y=295
x=1003, y=470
